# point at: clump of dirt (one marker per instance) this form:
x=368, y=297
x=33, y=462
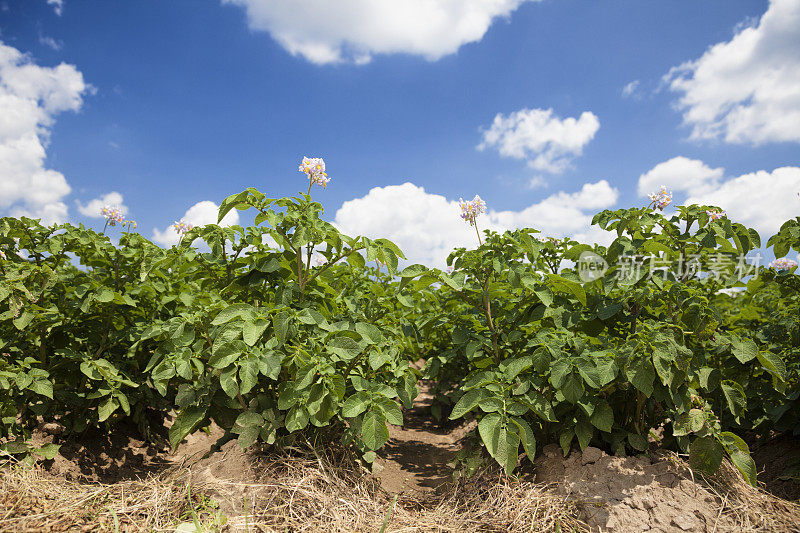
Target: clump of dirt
x=658, y=493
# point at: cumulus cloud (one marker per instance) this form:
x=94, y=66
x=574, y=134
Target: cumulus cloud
x=546, y=141
x=762, y=200
x=58, y=6
x=427, y=226
x=30, y=97
x=200, y=214
x=93, y=207
x=335, y=31
x=681, y=174
x=746, y=90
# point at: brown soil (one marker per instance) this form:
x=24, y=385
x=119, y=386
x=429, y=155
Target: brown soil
x=773, y=459
x=416, y=458
x=659, y=493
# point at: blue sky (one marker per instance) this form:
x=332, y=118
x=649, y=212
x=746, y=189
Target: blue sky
x=175, y=104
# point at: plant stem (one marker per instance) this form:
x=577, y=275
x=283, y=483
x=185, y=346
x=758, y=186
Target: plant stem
x=475, y=223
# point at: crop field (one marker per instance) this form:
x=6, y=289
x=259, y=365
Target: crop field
x=314, y=349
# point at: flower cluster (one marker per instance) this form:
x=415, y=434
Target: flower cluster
x=715, y=215
x=132, y=225
x=470, y=210
x=314, y=168
x=113, y=215
x=661, y=198
x=182, y=227
x=783, y=264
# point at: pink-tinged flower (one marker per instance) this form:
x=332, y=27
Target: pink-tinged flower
x=314, y=168
x=661, y=198
x=470, y=210
x=182, y=227
x=113, y=215
x=783, y=263
x=716, y=215
x=2, y=254
x=449, y=269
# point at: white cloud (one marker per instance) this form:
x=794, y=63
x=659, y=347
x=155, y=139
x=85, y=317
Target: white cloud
x=93, y=207
x=746, y=90
x=334, y=31
x=427, y=226
x=631, y=90
x=50, y=42
x=199, y=214
x=30, y=97
x=546, y=141
x=681, y=174
x=58, y=6
x=762, y=200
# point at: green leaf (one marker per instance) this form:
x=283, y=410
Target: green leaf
x=745, y=350
x=248, y=436
x=508, y=449
x=187, y=421
x=227, y=380
x=297, y=418
x=746, y=465
x=280, y=324
x=106, y=408
x=733, y=442
x=369, y=333
x=603, y=416
x=344, y=347
x=248, y=373
x=638, y=442
x=391, y=410
x=489, y=429
x=231, y=312
x=772, y=362
x=705, y=455
x=355, y=404
x=564, y=285
x=526, y=436
x=249, y=418
x=413, y=271
x=43, y=387
x=735, y=396
x=252, y=330
x=48, y=451
x=540, y=405
x=573, y=388
x=468, y=402
x=608, y=309
x=223, y=354
x=584, y=431
x=374, y=432
x=690, y=422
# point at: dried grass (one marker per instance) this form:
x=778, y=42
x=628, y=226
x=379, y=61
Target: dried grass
x=320, y=488
x=751, y=508
x=31, y=500
x=325, y=491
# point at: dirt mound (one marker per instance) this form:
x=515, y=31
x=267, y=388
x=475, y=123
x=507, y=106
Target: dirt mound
x=658, y=494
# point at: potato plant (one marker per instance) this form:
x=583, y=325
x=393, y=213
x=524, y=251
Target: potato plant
x=288, y=327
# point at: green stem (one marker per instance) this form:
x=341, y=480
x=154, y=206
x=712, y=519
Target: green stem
x=475, y=223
